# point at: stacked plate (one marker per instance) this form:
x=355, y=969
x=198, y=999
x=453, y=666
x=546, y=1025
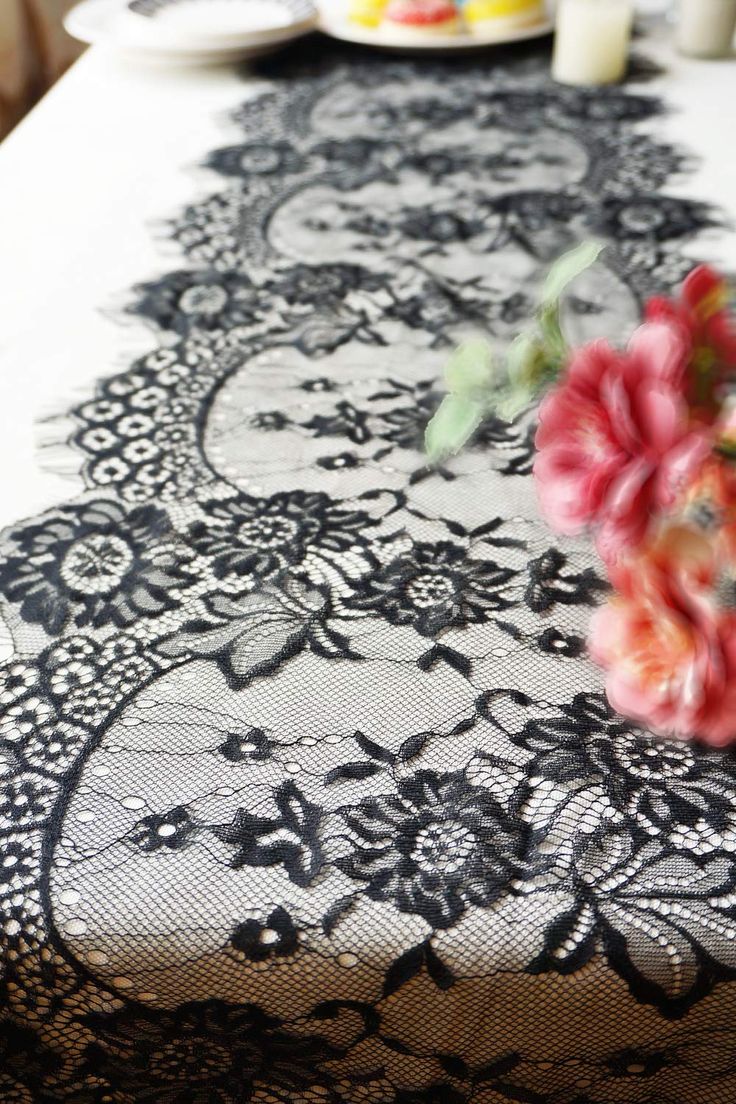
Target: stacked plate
x=192, y=30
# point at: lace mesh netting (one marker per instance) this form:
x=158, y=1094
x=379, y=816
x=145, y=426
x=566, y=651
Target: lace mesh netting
x=310, y=793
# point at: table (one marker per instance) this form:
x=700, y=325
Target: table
x=309, y=793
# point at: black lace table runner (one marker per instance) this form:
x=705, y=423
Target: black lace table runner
x=309, y=792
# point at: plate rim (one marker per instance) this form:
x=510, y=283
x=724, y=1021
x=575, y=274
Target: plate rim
x=338, y=27
x=143, y=27
x=102, y=34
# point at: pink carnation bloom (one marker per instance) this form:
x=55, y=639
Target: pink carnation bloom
x=615, y=440
x=669, y=651
x=703, y=310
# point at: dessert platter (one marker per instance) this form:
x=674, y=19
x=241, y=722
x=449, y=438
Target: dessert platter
x=434, y=25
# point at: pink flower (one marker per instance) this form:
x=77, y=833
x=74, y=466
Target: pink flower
x=669, y=650
x=703, y=310
x=615, y=440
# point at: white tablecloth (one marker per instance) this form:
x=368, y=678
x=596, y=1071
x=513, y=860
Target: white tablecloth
x=308, y=793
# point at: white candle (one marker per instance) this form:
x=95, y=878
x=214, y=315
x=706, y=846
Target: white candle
x=591, y=41
x=705, y=27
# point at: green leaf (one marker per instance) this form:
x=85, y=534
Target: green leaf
x=550, y=329
x=513, y=400
x=567, y=268
x=526, y=362
x=470, y=369
x=479, y=387
x=455, y=420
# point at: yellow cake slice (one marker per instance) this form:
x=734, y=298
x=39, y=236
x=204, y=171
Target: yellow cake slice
x=366, y=13
x=486, y=16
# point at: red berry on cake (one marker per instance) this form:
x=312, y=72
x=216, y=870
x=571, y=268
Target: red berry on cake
x=414, y=20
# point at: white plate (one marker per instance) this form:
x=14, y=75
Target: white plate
x=210, y=23
x=111, y=22
x=333, y=21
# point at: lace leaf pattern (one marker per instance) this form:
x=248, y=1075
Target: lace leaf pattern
x=307, y=790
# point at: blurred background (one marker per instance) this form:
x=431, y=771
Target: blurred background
x=34, y=52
